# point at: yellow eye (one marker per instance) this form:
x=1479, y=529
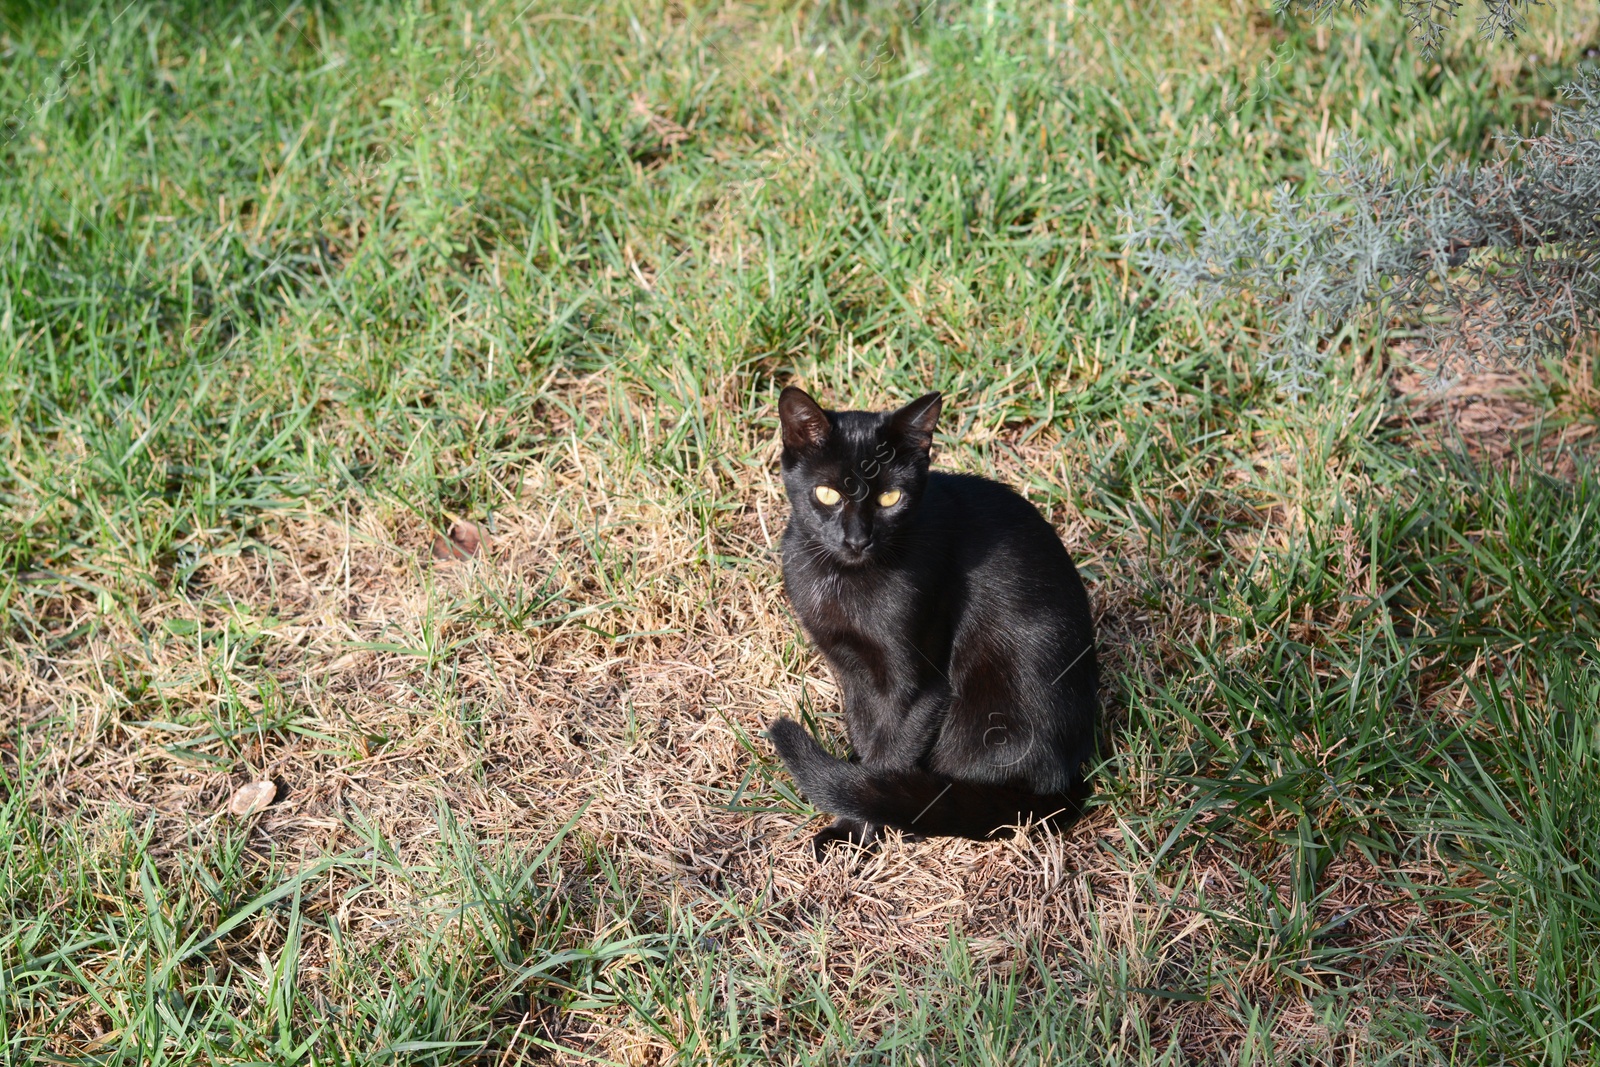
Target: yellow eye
x=827, y=494
x=889, y=499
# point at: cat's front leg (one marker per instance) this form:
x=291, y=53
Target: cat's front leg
x=919, y=728
x=887, y=730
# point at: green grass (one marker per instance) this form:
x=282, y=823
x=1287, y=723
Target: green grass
x=288, y=287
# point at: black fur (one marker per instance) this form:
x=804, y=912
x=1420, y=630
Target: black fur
x=955, y=622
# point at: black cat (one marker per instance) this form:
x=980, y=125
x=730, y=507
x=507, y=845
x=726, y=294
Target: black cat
x=955, y=622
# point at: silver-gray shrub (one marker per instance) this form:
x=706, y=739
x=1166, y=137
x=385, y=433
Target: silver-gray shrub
x=1428, y=18
x=1493, y=263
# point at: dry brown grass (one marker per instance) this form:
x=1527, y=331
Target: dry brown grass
x=641, y=732
x=1493, y=415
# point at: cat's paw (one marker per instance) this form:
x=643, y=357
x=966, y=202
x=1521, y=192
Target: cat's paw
x=846, y=832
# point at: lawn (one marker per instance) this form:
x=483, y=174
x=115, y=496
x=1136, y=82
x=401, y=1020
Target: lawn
x=291, y=290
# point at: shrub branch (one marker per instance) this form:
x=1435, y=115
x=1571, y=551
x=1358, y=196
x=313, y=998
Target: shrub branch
x=1494, y=263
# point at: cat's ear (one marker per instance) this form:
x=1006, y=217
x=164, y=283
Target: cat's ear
x=805, y=424
x=914, y=423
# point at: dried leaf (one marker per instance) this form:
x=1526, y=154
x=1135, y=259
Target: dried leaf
x=464, y=541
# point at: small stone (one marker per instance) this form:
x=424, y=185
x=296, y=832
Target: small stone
x=251, y=798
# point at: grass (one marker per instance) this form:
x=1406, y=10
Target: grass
x=289, y=288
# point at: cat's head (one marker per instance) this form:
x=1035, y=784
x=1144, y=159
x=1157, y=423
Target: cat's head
x=855, y=478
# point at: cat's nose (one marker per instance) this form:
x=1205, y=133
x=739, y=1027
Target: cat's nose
x=855, y=544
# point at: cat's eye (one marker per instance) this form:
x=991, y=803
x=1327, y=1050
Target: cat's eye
x=826, y=494
x=889, y=499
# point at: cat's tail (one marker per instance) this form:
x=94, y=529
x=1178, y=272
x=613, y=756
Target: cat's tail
x=913, y=800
